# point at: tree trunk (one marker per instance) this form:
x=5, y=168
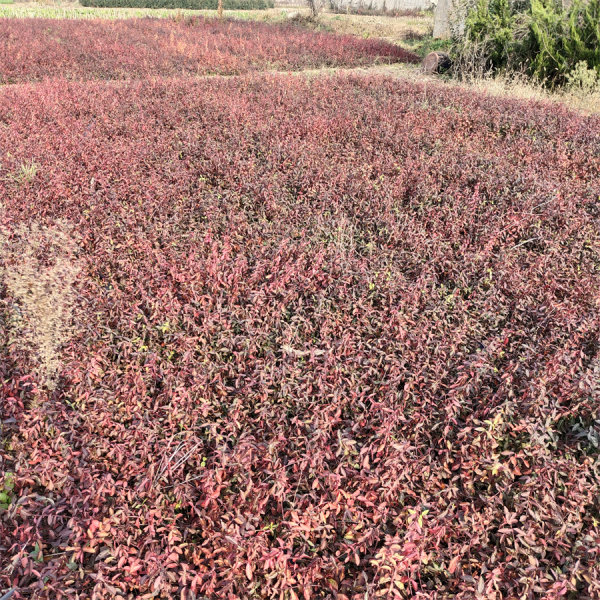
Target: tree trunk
x=220, y=9
x=441, y=21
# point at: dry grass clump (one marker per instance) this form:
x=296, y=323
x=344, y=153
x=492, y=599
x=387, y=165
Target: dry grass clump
x=38, y=269
x=521, y=87
x=392, y=29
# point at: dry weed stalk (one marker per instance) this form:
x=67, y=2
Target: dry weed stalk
x=39, y=269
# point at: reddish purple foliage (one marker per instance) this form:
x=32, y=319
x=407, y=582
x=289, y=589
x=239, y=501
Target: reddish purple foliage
x=36, y=49
x=359, y=316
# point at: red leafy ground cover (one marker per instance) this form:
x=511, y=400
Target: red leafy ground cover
x=37, y=49
x=333, y=338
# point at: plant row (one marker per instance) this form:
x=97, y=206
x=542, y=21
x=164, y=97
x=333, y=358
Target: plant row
x=38, y=49
x=185, y=4
x=331, y=337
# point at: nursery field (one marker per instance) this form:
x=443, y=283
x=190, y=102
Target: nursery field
x=399, y=29
x=252, y=350
x=38, y=49
x=287, y=337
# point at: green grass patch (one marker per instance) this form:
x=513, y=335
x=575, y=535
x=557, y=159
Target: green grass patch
x=427, y=44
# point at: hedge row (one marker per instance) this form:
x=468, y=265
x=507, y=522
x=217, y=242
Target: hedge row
x=186, y=4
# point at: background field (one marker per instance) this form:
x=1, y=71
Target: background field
x=403, y=29
x=37, y=49
x=275, y=336
x=412, y=31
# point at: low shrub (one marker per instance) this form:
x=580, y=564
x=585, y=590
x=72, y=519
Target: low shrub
x=328, y=338
x=36, y=49
x=582, y=80
x=497, y=33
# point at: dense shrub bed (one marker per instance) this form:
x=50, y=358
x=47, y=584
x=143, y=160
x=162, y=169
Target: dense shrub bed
x=551, y=40
x=37, y=49
x=331, y=338
x=187, y=4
